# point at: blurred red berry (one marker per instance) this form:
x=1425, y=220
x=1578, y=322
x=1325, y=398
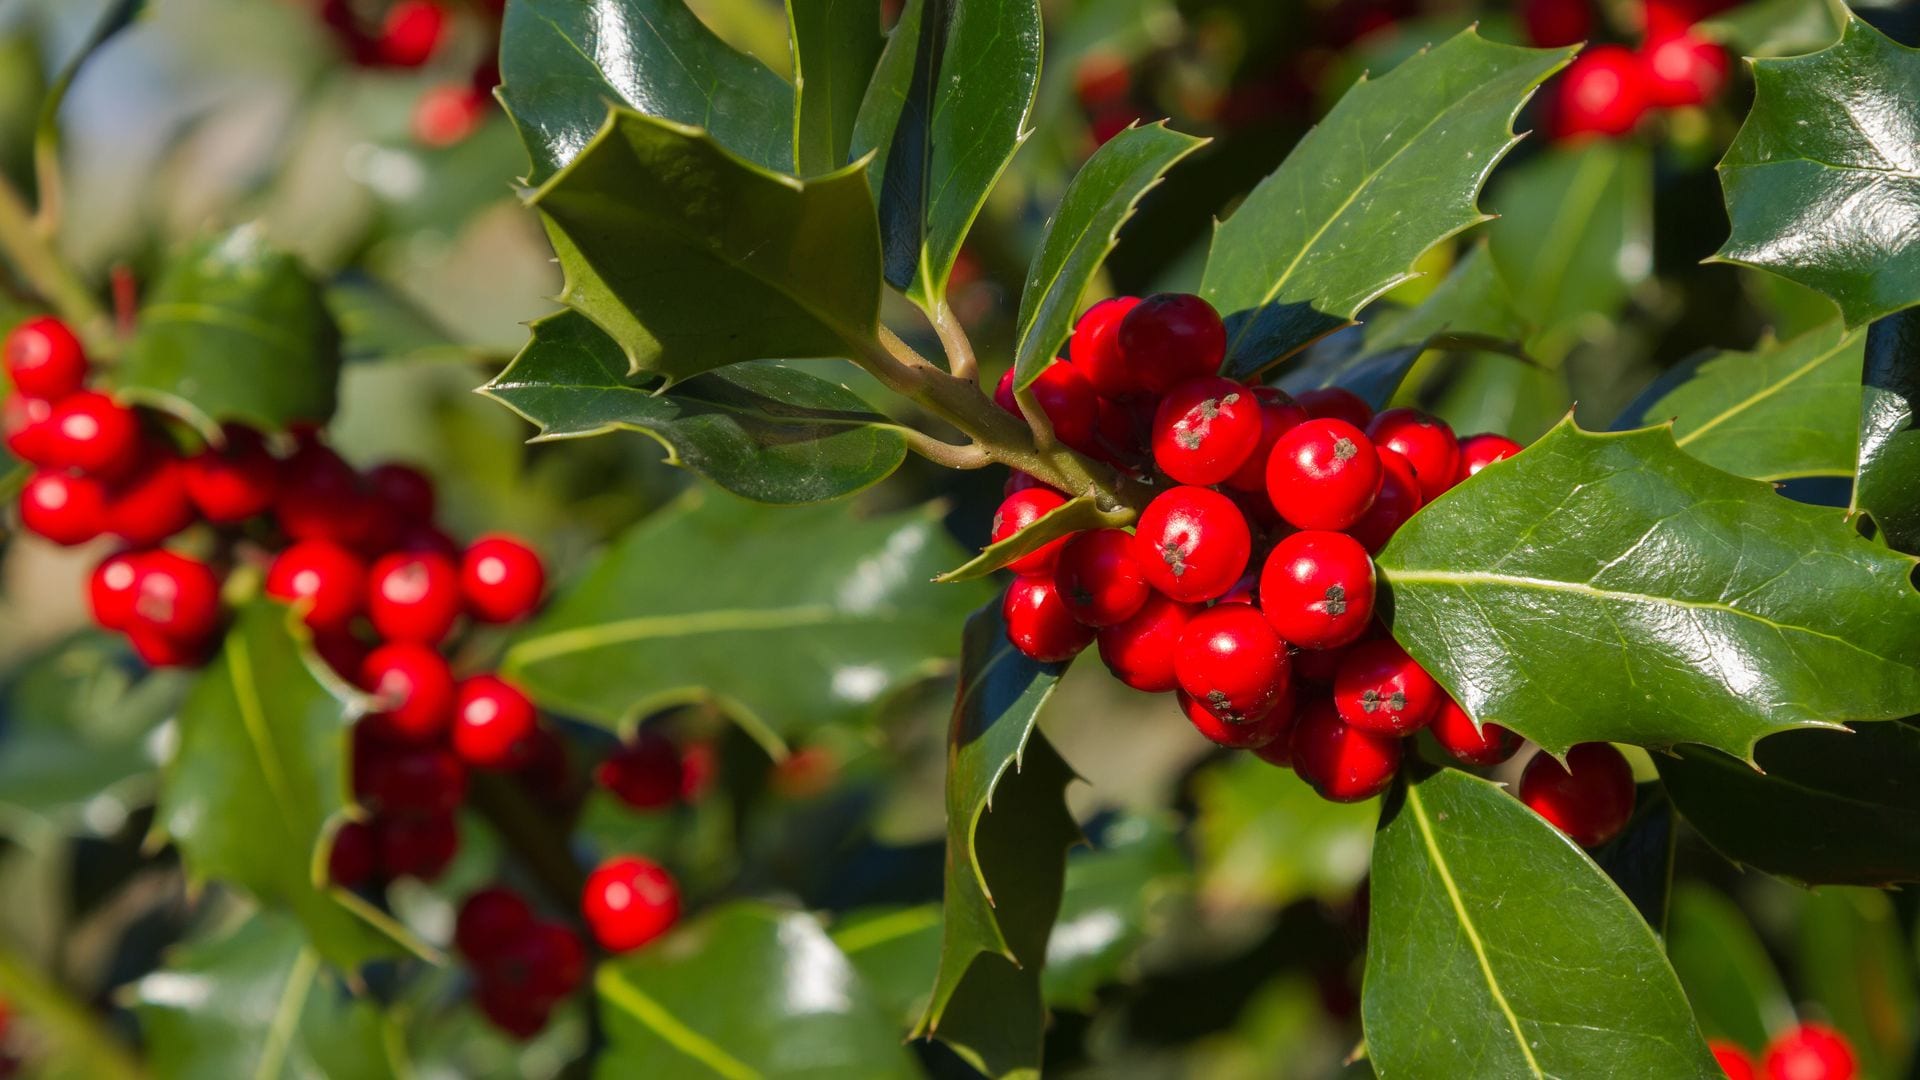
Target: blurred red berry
x=493, y=723
x=413, y=689
x=1810, y=1052
x=326, y=577
x=644, y=773
x=65, y=509
x=628, y=902
x=501, y=579
x=1603, y=92
x=414, y=596
x=93, y=433
x=231, y=483
x=43, y=358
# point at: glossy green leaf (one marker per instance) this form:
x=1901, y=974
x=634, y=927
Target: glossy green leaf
x=255, y=1001
x=562, y=62
x=1395, y=168
x=760, y=430
x=1075, y=515
x=259, y=780
x=654, y=221
x=1495, y=947
x=1264, y=839
x=836, y=44
x=893, y=948
x=893, y=97
x=745, y=991
x=1774, y=27
x=1729, y=978
x=1008, y=831
x=1823, y=181
x=234, y=330
x=1119, y=894
x=1831, y=807
x=1608, y=587
x=1887, y=486
x=1856, y=966
x=1082, y=231
x=803, y=617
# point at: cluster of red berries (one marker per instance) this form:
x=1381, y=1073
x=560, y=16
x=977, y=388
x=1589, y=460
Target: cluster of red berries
x=1608, y=89
x=407, y=34
x=1805, y=1052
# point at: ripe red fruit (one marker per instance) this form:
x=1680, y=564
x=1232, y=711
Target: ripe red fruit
x=65, y=509
x=44, y=359
x=1479, y=451
x=1323, y=474
x=411, y=32
x=414, y=688
x=320, y=498
x=417, y=846
x=1603, y=92
x=1205, y=429
x=93, y=433
x=1397, y=501
x=1039, y=623
x=1255, y=733
x=1021, y=509
x=1317, y=589
x=350, y=862
x=175, y=596
x=1342, y=762
x=111, y=591
x=403, y=489
x=501, y=579
x=1169, y=338
x=628, y=902
x=1590, y=799
x=1553, y=23
x=1683, y=69
x=326, y=576
x=1279, y=414
x=511, y=1011
x=1336, y=403
x=400, y=779
x=1453, y=728
x=1810, y=1052
x=28, y=434
x=493, y=723
x=413, y=596
x=1095, y=348
x=489, y=919
x=1426, y=441
x=644, y=773
x=1379, y=688
x=1065, y=396
x=1231, y=663
x=1098, y=579
x=1192, y=543
x=152, y=504
x=540, y=966
x=1732, y=1060
x=1317, y=666
x=1140, y=652
x=446, y=114
x=231, y=483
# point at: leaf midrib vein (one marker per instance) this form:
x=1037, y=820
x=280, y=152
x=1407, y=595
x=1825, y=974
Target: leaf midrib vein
x=642, y=627
x=636, y=1003
x=1766, y=392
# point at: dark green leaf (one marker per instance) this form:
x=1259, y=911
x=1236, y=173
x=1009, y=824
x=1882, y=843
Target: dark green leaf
x=760, y=430
x=1472, y=301
x=1264, y=839
x=835, y=46
x=654, y=220
x=1395, y=168
x=803, y=617
x=562, y=62
x=234, y=330
x=1075, y=515
x=893, y=111
x=1081, y=233
x=1823, y=181
x=1729, y=977
x=1495, y=947
x=1008, y=831
x=377, y=323
x=1118, y=895
x=893, y=948
x=1607, y=587
x=745, y=991
x=1774, y=27
x=1832, y=807
x=1888, y=484
x=1857, y=966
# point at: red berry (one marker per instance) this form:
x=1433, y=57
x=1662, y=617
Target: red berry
x=414, y=690
x=1395, y=504
x=1342, y=762
x=1732, y=1060
x=1039, y=623
x=27, y=423
x=1095, y=348
x=1590, y=799
x=628, y=902
x=1279, y=414
x=1603, y=92
x=111, y=590
x=1205, y=429
x=1065, y=397
x=350, y=861
x=160, y=650
x=447, y=114
x=1317, y=589
x=320, y=498
x=44, y=359
x=411, y=32
x=493, y=723
x=1683, y=69
x=1810, y=1052
x=1019, y=481
x=404, y=490
x=1323, y=475
x=401, y=779
x=489, y=919
x=1554, y=23
x=1098, y=578
x=65, y=509
x=414, y=596
x=1192, y=543
x=1169, y=338
x=1317, y=666
x=1232, y=663
x=1426, y=441
x=175, y=596
x=1479, y=451
x=697, y=766
x=93, y=433
x=1021, y=509
x=510, y=1010
x=1491, y=744
x=418, y=847
x=1336, y=403
x=542, y=965
x=1252, y=734
x=231, y=483
x=501, y=579
x=1140, y=652
x=1379, y=688
x=342, y=652
x=327, y=577
x=152, y=504
x=644, y=773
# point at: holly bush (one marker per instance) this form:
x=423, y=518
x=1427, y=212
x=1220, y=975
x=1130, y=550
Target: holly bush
x=1492, y=428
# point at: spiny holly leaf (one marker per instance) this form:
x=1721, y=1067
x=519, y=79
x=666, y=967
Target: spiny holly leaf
x=1082, y=231
x=1075, y=515
x=1118, y=895
x=1887, y=487
x=654, y=220
x=893, y=948
x=1854, y=959
x=562, y=62
x=1495, y=947
x=760, y=430
x=1831, y=808
x=254, y=1001
x=835, y=46
x=259, y=780
x=1264, y=839
x=1394, y=169
x=1609, y=587
x=1823, y=180
x=1786, y=409
x=1728, y=976
x=234, y=330
x=747, y=990
x=1008, y=831
x=805, y=616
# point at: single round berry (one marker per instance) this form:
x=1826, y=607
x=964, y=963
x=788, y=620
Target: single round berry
x=1317, y=589
x=400, y=779
x=1140, y=652
x=1603, y=92
x=1489, y=744
x=44, y=359
x=1095, y=348
x=1379, y=688
x=447, y=114
x=493, y=723
x=93, y=433
x=1426, y=441
x=1252, y=734
x=413, y=596
x=1479, y=451
x=1098, y=578
x=1810, y=1052
x=324, y=576
x=111, y=590
x=1231, y=663
x=1169, y=338
x=233, y=482
x=1279, y=414
x=320, y=497
x=1039, y=623
x=1342, y=762
x=628, y=902
x=1683, y=69
x=175, y=596
x=403, y=489
x=1590, y=799
x=1336, y=403
x=151, y=504
x=501, y=579
x=1732, y=1060
x=413, y=689
x=411, y=32
x=1393, y=506
x=1065, y=397
x=540, y=966
x=1020, y=510
x=645, y=773
x=1192, y=543
x=351, y=859
x=1323, y=474
x=489, y=920
x=1205, y=429
x=65, y=509
x=417, y=846
x=28, y=428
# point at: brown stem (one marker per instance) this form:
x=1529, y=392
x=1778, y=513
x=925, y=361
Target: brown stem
x=953, y=338
x=953, y=456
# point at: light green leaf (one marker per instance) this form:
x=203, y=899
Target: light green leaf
x=1264, y=839
x=1119, y=894
x=1857, y=966
x=835, y=46
x=1729, y=978
x=893, y=948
